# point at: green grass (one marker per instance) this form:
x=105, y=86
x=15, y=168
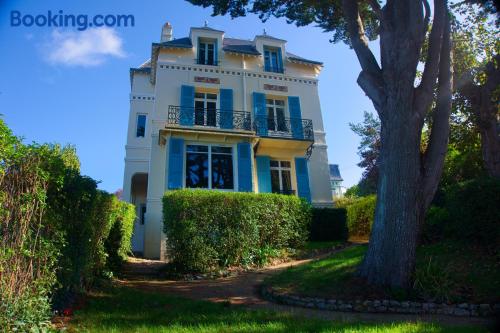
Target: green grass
x=447, y=271
x=120, y=309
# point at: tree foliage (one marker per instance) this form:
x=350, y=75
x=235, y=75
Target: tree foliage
x=369, y=151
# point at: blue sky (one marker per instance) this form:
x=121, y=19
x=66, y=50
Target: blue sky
x=49, y=93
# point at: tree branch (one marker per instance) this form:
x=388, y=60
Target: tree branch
x=376, y=8
x=438, y=142
x=424, y=92
x=427, y=17
x=373, y=84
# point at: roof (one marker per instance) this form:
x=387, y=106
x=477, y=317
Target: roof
x=239, y=46
x=294, y=57
x=334, y=172
x=270, y=37
x=178, y=42
x=207, y=28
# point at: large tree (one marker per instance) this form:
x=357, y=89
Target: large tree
x=477, y=69
x=408, y=176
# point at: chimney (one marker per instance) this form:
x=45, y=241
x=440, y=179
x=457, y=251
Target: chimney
x=166, y=32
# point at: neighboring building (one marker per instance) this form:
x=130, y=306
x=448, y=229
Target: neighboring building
x=336, y=181
x=221, y=113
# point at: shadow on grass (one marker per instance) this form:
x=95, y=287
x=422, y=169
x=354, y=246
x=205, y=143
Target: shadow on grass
x=122, y=309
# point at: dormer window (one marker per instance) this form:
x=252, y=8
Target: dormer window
x=272, y=60
x=207, y=51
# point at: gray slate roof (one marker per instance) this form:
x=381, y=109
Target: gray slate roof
x=178, y=42
x=335, y=172
x=239, y=46
x=292, y=56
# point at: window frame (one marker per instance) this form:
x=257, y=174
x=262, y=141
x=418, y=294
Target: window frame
x=205, y=58
x=205, y=113
x=209, y=153
x=276, y=128
x=281, y=168
x=137, y=125
x=268, y=54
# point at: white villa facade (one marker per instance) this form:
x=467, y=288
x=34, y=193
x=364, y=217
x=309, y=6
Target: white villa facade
x=208, y=111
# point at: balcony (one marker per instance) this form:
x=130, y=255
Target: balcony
x=209, y=118
x=216, y=119
x=284, y=128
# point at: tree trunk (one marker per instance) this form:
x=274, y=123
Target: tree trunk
x=390, y=258
x=407, y=177
x=490, y=137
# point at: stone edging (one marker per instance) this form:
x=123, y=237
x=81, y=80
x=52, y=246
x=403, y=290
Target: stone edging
x=381, y=306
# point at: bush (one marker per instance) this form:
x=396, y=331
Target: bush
x=118, y=243
x=360, y=216
x=470, y=213
x=208, y=230
x=328, y=224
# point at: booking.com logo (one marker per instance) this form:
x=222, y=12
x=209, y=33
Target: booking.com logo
x=59, y=19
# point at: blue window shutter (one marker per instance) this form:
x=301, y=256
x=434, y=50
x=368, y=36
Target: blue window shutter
x=244, y=167
x=280, y=62
x=295, y=117
x=175, y=154
x=259, y=113
x=216, y=52
x=302, y=178
x=226, y=108
x=264, y=173
x=267, y=60
x=187, y=106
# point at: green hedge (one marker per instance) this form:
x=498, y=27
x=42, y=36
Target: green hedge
x=328, y=224
x=470, y=213
x=360, y=215
x=58, y=231
x=208, y=230
x=118, y=243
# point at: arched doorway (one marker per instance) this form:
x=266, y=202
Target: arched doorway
x=139, y=190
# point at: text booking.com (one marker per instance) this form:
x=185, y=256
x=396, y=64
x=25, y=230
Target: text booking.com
x=61, y=20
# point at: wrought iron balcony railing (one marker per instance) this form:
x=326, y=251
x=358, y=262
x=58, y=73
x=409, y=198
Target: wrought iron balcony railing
x=206, y=117
x=289, y=128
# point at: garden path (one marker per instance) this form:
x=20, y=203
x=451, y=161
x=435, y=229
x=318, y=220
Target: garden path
x=243, y=289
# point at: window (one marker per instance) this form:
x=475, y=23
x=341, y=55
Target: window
x=205, y=109
x=206, y=52
x=209, y=166
x=272, y=61
x=281, y=179
x=276, y=115
x=140, y=126
x=142, y=216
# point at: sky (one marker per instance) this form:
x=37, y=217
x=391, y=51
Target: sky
x=62, y=85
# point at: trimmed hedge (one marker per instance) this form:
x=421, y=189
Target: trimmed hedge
x=208, y=230
x=328, y=224
x=360, y=216
x=54, y=225
x=470, y=213
x=118, y=244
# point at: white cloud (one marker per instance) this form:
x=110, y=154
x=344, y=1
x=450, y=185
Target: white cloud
x=85, y=48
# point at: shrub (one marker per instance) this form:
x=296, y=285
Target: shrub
x=474, y=212
x=328, y=224
x=208, y=230
x=360, y=215
x=118, y=243
x=27, y=253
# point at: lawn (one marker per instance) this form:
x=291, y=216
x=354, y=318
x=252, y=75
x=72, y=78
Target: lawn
x=445, y=271
x=120, y=309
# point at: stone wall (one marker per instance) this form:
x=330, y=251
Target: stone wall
x=381, y=306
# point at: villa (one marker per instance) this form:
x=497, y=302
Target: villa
x=213, y=112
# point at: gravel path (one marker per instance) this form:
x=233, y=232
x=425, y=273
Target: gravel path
x=243, y=289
